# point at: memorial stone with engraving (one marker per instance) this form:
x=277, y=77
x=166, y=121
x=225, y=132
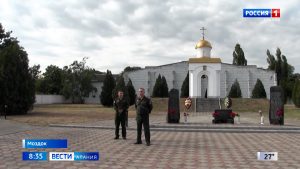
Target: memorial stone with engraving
x=173, y=107
x=276, y=109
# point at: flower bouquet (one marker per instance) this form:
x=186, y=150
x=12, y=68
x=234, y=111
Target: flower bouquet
x=279, y=114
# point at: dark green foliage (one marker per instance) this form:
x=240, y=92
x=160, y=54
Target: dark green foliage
x=35, y=71
x=288, y=86
x=131, y=92
x=52, y=81
x=296, y=93
x=278, y=68
x=156, y=89
x=107, y=89
x=77, y=81
x=238, y=56
x=160, y=88
x=284, y=72
x=235, y=91
x=259, y=90
x=271, y=61
x=120, y=86
x=185, y=87
x=17, y=81
x=128, y=68
x=285, y=67
x=164, y=87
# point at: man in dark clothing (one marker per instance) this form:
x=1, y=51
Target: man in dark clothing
x=143, y=107
x=121, y=107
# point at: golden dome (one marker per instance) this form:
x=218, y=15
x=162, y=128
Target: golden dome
x=203, y=43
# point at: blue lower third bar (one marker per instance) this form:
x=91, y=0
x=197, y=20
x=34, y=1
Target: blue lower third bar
x=34, y=156
x=86, y=156
x=45, y=143
x=253, y=13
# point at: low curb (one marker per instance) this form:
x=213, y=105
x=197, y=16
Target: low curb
x=203, y=129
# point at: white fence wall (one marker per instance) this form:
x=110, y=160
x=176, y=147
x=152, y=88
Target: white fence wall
x=49, y=99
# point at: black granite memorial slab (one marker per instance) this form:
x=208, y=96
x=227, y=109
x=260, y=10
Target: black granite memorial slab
x=276, y=109
x=173, y=107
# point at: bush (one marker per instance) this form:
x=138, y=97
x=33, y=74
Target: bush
x=235, y=91
x=160, y=88
x=164, y=87
x=107, y=89
x=259, y=90
x=131, y=92
x=156, y=89
x=120, y=86
x=185, y=87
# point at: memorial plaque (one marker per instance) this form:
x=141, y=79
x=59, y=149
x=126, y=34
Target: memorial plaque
x=173, y=107
x=276, y=109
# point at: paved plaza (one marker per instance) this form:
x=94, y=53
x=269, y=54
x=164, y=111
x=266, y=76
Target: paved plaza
x=168, y=149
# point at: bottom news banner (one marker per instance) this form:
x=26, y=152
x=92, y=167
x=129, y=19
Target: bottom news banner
x=61, y=156
x=54, y=156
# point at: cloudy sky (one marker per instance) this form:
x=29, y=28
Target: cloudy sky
x=116, y=34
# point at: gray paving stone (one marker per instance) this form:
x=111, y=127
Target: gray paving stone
x=186, y=149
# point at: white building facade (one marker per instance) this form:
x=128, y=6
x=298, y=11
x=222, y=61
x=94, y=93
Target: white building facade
x=208, y=77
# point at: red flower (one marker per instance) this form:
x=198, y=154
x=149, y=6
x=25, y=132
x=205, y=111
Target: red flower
x=279, y=112
x=172, y=111
x=233, y=114
x=215, y=114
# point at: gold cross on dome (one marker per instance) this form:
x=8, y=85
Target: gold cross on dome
x=203, y=29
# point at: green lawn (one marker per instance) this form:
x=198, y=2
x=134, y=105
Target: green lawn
x=82, y=113
x=292, y=112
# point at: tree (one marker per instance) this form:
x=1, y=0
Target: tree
x=164, y=87
x=271, y=61
x=259, y=90
x=296, y=93
x=131, y=92
x=278, y=66
x=52, y=81
x=120, y=86
x=235, y=91
x=285, y=67
x=284, y=72
x=35, y=71
x=107, y=88
x=156, y=89
x=128, y=68
x=238, y=56
x=185, y=87
x=78, y=81
x=36, y=74
x=17, y=89
x=160, y=88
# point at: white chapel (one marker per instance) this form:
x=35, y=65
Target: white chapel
x=208, y=76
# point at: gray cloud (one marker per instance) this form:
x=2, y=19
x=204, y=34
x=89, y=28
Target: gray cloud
x=115, y=34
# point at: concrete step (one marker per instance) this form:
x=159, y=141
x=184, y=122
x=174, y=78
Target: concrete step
x=208, y=129
x=226, y=126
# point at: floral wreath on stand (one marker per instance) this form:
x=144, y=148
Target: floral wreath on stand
x=228, y=104
x=187, y=104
